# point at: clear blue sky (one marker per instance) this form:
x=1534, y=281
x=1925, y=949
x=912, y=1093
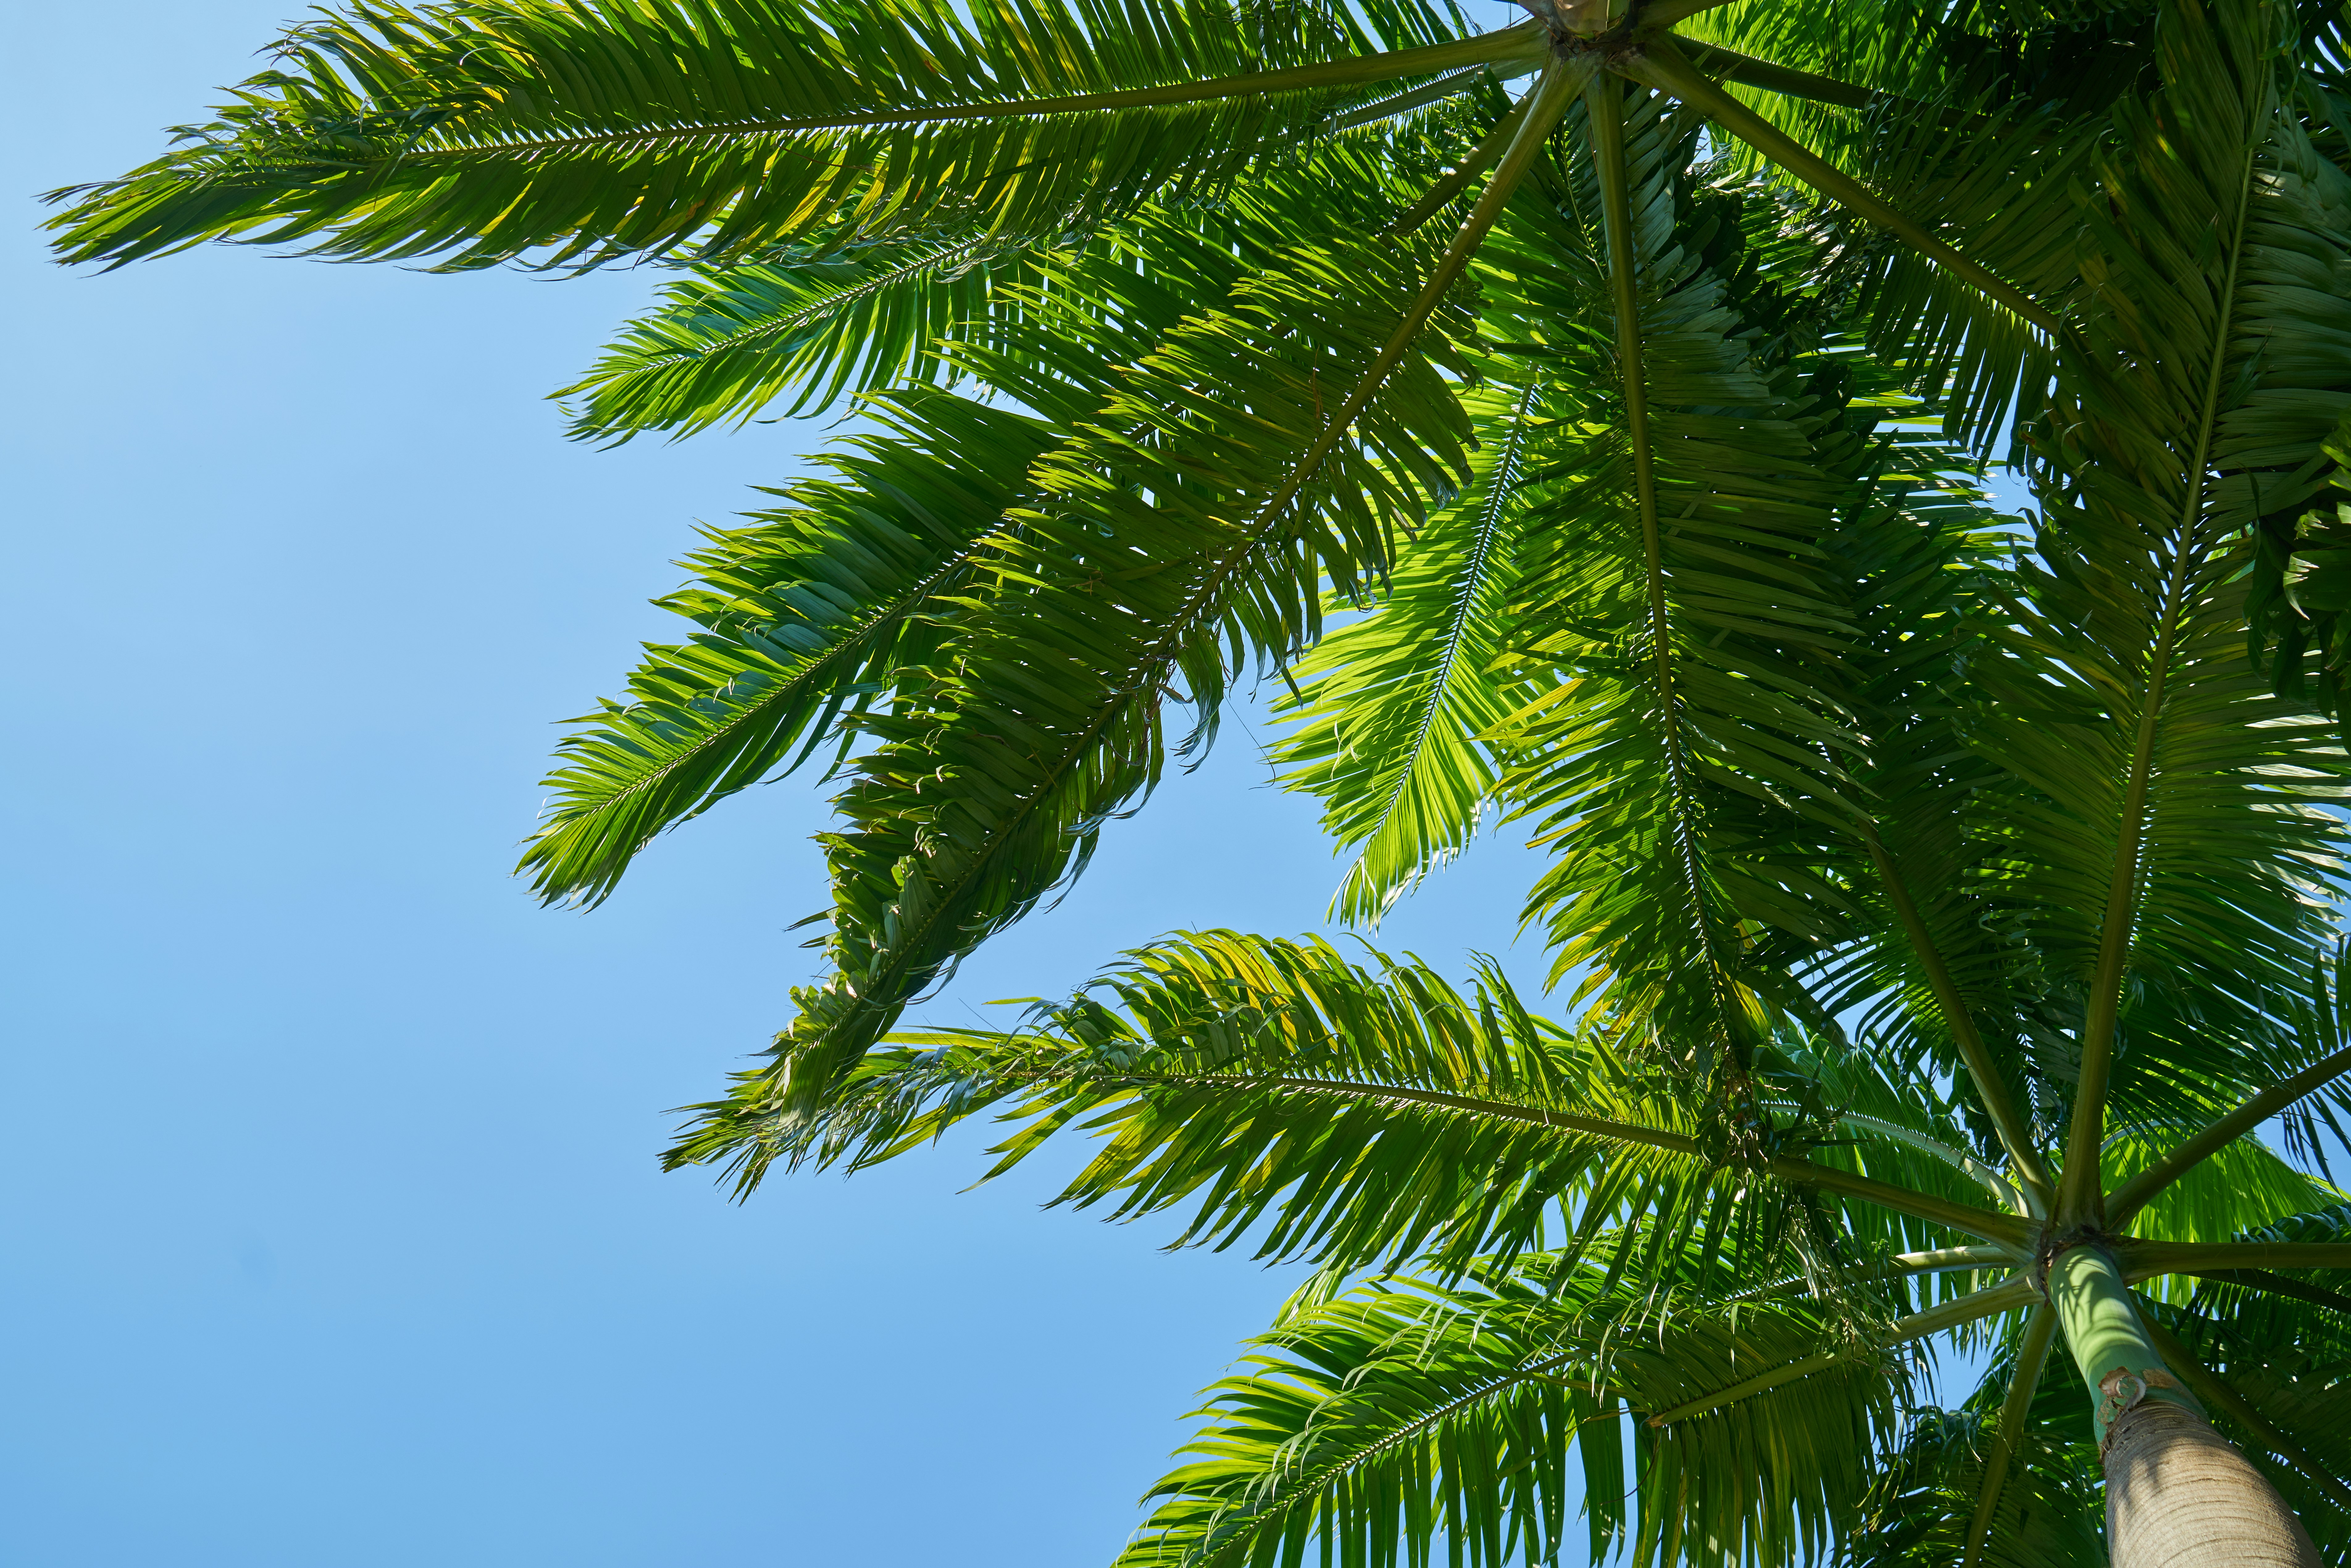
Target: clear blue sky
x=332, y=1233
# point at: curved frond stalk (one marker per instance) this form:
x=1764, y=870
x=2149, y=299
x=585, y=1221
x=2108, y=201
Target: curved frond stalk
x=2039, y=1331
x=1772, y=76
x=1983, y=1078
x=1467, y=172
x=2004, y=1297
x=1605, y=118
x=1664, y=67
x=2143, y=1260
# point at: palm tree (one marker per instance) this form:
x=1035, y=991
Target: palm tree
x=1942, y=899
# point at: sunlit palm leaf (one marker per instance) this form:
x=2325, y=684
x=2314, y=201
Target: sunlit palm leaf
x=725, y=344
x=823, y=607
x=1394, y=711
x=1405, y=1414
x=813, y=609
x=1356, y=1116
x=486, y=132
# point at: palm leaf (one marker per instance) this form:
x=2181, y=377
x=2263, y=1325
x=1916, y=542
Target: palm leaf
x=729, y=341
x=2173, y=819
x=1355, y=1116
x=1675, y=754
x=494, y=130
x=1392, y=711
x=1408, y=1413
x=826, y=606
x=812, y=610
x=1187, y=529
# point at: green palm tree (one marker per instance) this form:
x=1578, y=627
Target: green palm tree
x=1941, y=899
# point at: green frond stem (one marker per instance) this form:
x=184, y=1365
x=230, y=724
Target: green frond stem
x=1941, y=1260
x=2277, y=1285
x=1451, y=85
x=2006, y=1296
x=2080, y=1199
x=1991, y=1091
x=2214, y=1392
x=2000, y=1229
x=1664, y=67
x=1772, y=76
x=1475, y=161
x=2135, y=1194
x=1664, y=16
x=2145, y=1259
x=1605, y=119
x=1960, y=1160
x=2012, y=1236
x=2031, y=1357
x=1948, y=1260
x=1525, y=43
x=1562, y=79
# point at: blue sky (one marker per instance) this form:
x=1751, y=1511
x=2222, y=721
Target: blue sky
x=331, y=1228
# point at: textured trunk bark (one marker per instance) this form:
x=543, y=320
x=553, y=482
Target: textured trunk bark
x=2179, y=1495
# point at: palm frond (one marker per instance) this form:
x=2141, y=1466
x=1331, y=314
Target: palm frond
x=1676, y=756
x=1392, y=712
x=2176, y=819
x=491, y=130
x=827, y=606
x=1187, y=529
x=1409, y=1418
x=1359, y=1115
x=728, y=342
x=813, y=610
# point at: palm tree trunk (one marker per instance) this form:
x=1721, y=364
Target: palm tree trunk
x=2179, y=1495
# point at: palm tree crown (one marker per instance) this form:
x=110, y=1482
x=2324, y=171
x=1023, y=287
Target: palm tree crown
x=1589, y=420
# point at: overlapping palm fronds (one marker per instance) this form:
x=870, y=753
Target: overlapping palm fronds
x=1936, y=893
